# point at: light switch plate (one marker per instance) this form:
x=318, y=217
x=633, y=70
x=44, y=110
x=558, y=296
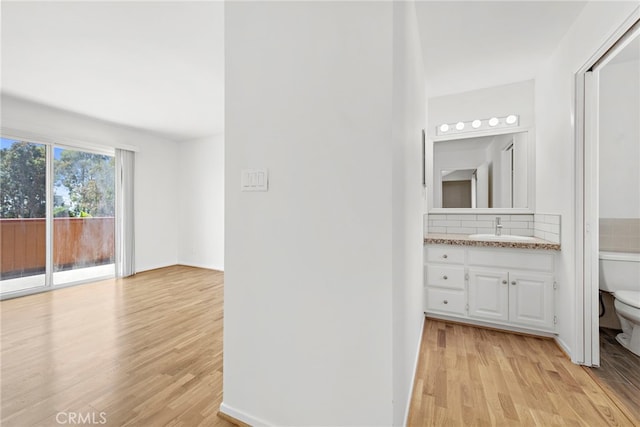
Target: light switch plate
x=254, y=180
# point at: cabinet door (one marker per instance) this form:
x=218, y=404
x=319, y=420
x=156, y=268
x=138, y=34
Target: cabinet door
x=488, y=294
x=531, y=299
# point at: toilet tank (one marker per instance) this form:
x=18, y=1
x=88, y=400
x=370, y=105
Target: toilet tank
x=619, y=271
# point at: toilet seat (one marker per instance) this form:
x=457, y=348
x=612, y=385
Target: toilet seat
x=631, y=298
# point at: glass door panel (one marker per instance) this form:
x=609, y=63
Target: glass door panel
x=23, y=172
x=83, y=216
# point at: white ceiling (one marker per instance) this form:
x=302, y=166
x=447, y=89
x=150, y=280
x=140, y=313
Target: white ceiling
x=471, y=45
x=159, y=66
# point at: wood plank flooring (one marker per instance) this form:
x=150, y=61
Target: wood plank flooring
x=619, y=372
x=147, y=351
x=469, y=376
x=143, y=351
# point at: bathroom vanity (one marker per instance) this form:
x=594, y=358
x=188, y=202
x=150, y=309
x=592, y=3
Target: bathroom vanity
x=489, y=257
x=500, y=283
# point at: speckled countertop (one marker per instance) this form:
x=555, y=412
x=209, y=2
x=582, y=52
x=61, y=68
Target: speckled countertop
x=465, y=240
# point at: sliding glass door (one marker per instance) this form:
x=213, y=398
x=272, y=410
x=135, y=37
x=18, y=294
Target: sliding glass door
x=23, y=210
x=57, y=218
x=84, y=215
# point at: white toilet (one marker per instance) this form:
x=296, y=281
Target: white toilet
x=620, y=275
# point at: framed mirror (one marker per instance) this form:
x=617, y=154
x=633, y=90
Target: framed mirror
x=483, y=172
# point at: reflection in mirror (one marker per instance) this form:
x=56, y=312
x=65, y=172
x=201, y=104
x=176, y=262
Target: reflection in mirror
x=459, y=188
x=481, y=172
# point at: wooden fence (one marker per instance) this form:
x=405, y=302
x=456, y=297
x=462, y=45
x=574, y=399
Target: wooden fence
x=77, y=242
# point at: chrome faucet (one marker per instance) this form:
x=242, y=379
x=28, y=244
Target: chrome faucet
x=498, y=226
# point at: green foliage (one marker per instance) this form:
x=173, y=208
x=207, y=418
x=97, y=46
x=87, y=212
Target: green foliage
x=23, y=173
x=88, y=178
x=61, y=212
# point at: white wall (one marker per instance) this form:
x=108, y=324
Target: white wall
x=620, y=140
x=409, y=117
x=156, y=188
x=555, y=141
x=200, y=202
x=499, y=101
x=323, y=271
x=514, y=98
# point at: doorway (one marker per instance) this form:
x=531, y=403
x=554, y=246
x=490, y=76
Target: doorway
x=608, y=214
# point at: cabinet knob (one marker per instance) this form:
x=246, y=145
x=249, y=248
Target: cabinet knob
x=504, y=282
x=445, y=256
x=445, y=277
x=445, y=301
x=513, y=282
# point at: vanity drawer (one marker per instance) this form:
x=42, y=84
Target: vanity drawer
x=505, y=258
x=445, y=300
x=444, y=254
x=445, y=276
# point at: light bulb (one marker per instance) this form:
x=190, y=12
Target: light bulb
x=511, y=119
x=476, y=124
x=459, y=126
x=444, y=127
x=493, y=121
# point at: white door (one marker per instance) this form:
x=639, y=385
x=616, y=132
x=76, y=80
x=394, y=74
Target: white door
x=506, y=179
x=520, y=171
x=482, y=186
x=488, y=294
x=531, y=299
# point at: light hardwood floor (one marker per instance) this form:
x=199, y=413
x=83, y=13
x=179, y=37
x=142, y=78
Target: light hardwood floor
x=474, y=377
x=147, y=351
x=144, y=351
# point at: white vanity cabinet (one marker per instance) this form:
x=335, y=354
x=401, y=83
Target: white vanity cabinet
x=518, y=297
x=445, y=280
x=510, y=287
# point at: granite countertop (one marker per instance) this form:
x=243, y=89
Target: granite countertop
x=465, y=240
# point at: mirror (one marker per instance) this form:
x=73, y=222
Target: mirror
x=481, y=172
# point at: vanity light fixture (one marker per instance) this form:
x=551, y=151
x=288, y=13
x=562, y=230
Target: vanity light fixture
x=476, y=125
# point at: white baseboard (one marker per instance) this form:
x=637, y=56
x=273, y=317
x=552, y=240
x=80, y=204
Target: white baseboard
x=205, y=266
x=186, y=264
x=492, y=325
x=241, y=416
x=413, y=377
x=564, y=347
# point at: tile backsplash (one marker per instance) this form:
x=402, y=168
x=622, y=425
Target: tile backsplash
x=620, y=234
x=547, y=227
x=544, y=226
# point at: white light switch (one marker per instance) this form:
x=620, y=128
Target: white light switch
x=254, y=180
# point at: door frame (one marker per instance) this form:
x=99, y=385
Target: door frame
x=50, y=145
x=587, y=351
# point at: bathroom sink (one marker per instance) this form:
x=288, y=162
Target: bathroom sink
x=504, y=237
